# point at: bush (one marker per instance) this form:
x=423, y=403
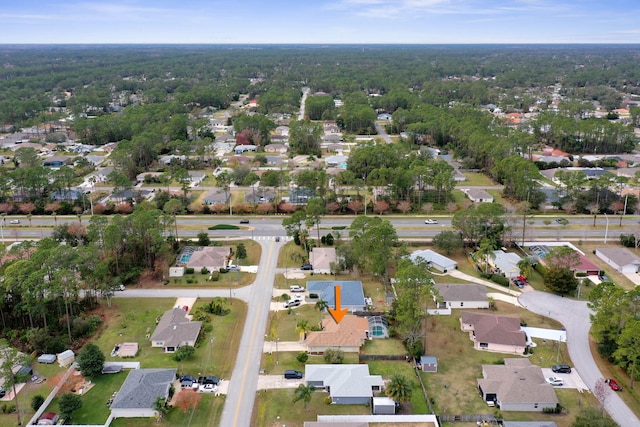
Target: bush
x=215, y=276
x=37, y=401
x=500, y=280
x=183, y=352
x=334, y=356
x=204, y=270
x=223, y=270
x=302, y=357
x=224, y=227
x=189, y=270
x=313, y=296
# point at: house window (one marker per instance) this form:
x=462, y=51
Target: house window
x=535, y=405
x=484, y=345
x=461, y=304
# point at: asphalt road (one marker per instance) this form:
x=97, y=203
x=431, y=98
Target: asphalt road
x=574, y=316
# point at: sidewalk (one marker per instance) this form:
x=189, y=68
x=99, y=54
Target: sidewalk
x=460, y=275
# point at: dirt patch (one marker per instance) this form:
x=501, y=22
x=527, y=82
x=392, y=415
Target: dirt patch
x=147, y=280
x=186, y=399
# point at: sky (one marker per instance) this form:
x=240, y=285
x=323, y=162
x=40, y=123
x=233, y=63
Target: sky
x=319, y=21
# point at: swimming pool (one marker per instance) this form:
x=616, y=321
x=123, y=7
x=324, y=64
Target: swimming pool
x=184, y=258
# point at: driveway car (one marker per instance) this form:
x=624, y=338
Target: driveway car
x=306, y=267
x=292, y=303
x=233, y=267
x=208, y=388
x=296, y=288
x=613, y=384
x=555, y=381
x=430, y=221
x=188, y=378
x=562, y=369
x=210, y=379
x=244, y=221
x=291, y=374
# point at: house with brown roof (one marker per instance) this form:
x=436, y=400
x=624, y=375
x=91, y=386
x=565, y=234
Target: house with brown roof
x=517, y=385
x=348, y=335
x=500, y=334
x=175, y=329
x=213, y=258
x=321, y=259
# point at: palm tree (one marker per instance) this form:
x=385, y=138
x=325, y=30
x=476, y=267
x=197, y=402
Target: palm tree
x=399, y=388
x=526, y=266
x=304, y=393
x=302, y=328
x=487, y=246
x=321, y=305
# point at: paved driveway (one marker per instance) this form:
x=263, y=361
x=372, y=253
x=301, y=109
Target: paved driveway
x=574, y=316
x=572, y=380
x=266, y=382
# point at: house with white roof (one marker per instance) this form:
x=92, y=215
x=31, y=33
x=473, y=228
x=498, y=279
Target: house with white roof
x=622, y=259
x=347, y=384
x=434, y=260
x=505, y=263
x=321, y=259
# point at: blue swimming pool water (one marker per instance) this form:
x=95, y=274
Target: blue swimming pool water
x=185, y=258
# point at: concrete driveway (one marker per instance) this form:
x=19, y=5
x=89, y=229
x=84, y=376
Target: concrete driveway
x=267, y=382
x=574, y=316
x=572, y=380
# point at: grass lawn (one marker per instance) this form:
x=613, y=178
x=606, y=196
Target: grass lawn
x=388, y=368
x=475, y=179
x=278, y=362
x=130, y=320
x=384, y=346
x=275, y=408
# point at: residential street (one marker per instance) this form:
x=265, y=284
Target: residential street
x=574, y=315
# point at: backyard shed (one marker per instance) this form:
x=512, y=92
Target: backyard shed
x=66, y=358
x=47, y=358
x=111, y=369
x=429, y=364
x=383, y=406
x=128, y=349
x=434, y=260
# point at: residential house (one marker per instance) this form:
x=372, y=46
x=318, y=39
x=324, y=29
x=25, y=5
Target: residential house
x=494, y=333
x=282, y=130
x=95, y=160
x=335, y=161
x=167, y=160
x=101, y=175
x=239, y=149
x=505, y=263
x=260, y=195
x=140, y=391
x=216, y=196
x=279, y=140
x=335, y=148
x=351, y=293
x=332, y=139
x=56, y=161
x=275, y=160
x=321, y=259
x=349, y=335
x=276, y=148
x=141, y=177
x=213, y=258
x=434, y=260
x=175, y=329
x=67, y=195
x=130, y=194
x=301, y=195
x=384, y=116
x=196, y=177
x=346, y=384
x=621, y=259
x=517, y=385
x=470, y=295
x=478, y=195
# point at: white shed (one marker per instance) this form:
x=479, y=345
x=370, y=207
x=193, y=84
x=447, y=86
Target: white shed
x=383, y=406
x=66, y=358
x=434, y=259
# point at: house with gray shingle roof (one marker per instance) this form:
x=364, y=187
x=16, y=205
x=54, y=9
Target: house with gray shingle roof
x=470, y=295
x=489, y=332
x=622, y=259
x=517, y=385
x=478, y=195
x=175, y=329
x=139, y=392
x=351, y=293
x=347, y=384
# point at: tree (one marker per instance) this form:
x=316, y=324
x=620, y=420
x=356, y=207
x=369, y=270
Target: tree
x=628, y=352
x=68, y=404
x=304, y=393
x=448, y=241
x=241, y=251
x=590, y=416
x=304, y=137
x=91, y=360
x=184, y=352
x=399, y=388
x=526, y=266
x=560, y=280
x=203, y=239
x=487, y=246
x=315, y=209
x=302, y=327
x=10, y=359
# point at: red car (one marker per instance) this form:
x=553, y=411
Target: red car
x=613, y=384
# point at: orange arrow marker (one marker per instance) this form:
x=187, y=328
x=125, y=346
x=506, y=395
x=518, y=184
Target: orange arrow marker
x=337, y=313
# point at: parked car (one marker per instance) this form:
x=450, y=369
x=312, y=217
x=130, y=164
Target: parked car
x=291, y=374
x=292, y=303
x=210, y=379
x=297, y=297
x=562, y=369
x=208, y=388
x=296, y=288
x=244, y=221
x=306, y=267
x=277, y=238
x=233, y=267
x=14, y=221
x=430, y=221
x=613, y=384
x=188, y=378
x=555, y=381
x=519, y=283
